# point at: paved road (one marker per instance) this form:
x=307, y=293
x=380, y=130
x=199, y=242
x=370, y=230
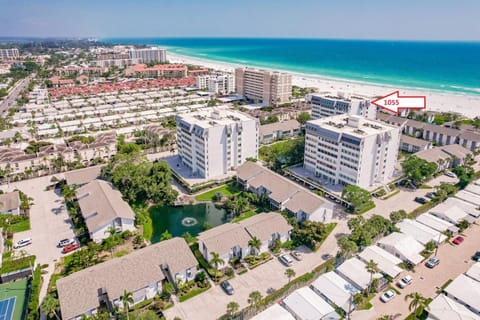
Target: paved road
x=10, y=99
x=49, y=222
x=454, y=260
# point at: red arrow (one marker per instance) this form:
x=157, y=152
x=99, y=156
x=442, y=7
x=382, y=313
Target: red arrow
x=393, y=102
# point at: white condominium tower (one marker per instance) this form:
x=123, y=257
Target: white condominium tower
x=6, y=54
x=211, y=144
x=326, y=106
x=268, y=87
x=218, y=83
x=153, y=54
x=347, y=150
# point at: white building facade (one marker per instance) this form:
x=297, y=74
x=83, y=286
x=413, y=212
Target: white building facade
x=348, y=150
x=221, y=83
x=326, y=106
x=6, y=54
x=212, y=144
x=153, y=54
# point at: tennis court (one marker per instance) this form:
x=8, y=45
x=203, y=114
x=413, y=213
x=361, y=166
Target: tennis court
x=13, y=300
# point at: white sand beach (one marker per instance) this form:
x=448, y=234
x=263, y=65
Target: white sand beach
x=468, y=105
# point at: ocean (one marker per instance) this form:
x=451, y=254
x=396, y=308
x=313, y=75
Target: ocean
x=442, y=66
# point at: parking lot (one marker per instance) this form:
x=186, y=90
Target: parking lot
x=49, y=223
x=454, y=260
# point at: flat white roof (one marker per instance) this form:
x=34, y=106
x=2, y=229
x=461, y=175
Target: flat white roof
x=449, y=211
x=433, y=222
x=468, y=197
x=404, y=244
x=473, y=188
x=274, y=312
x=420, y=232
x=386, y=261
x=335, y=289
x=219, y=117
x=474, y=272
x=466, y=290
x=355, y=271
x=306, y=304
x=445, y=308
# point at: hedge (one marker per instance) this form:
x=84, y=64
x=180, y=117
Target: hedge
x=10, y=265
x=192, y=294
x=33, y=301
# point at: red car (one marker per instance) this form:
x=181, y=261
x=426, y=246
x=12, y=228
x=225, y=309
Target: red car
x=70, y=248
x=458, y=240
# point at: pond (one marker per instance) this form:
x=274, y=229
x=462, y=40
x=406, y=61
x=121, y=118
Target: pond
x=191, y=218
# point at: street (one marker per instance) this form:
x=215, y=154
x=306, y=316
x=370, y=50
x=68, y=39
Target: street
x=12, y=96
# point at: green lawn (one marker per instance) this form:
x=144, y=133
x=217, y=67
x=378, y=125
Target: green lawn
x=245, y=215
x=16, y=289
x=227, y=190
x=21, y=226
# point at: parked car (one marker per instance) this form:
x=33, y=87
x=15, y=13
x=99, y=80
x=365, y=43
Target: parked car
x=432, y=262
x=227, y=287
x=286, y=260
x=476, y=256
x=22, y=243
x=458, y=240
x=430, y=195
x=297, y=255
x=421, y=200
x=450, y=174
x=405, y=281
x=70, y=248
x=387, y=296
x=65, y=242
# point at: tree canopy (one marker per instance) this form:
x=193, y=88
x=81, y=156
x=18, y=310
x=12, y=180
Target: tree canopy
x=418, y=170
x=360, y=199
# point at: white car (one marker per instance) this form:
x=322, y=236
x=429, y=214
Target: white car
x=65, y=242
x=22, y=243
x=286, y=260
x=405, y=281
x=450, y=174
x=387, y=296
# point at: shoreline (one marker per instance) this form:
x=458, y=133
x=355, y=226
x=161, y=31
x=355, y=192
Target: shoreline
x=441, y=101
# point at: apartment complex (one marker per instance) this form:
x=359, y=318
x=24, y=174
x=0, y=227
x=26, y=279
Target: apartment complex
x=326, y=106
x=146, y=55
x=7, y=54
x=268, y=87
x=168, y=71
x=211, y=144
x=347, y=150
x=218, y=83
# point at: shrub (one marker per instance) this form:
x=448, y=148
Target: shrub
x=229, y=272
x=33, y=301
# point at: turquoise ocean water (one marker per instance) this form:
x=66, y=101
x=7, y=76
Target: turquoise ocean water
x=444, y=66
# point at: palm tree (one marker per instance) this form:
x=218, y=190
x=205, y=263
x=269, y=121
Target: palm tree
x=290, y=273
x=50, y=306
x=255, y=245
x=127, y=300
x=215, y=262
x=254, y=298
x=372, y=268
x=418, y=301
x=232, y=308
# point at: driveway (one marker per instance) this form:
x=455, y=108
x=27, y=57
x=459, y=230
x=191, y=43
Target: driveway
x=454, y=260
x=405, y=199
x=49, y=223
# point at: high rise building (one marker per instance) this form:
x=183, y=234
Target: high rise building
x=7, y=54
x=153, y=54
x=326, y=106
x=219, y=83
x=211, y=144
x=346, y=149
x=268, y=87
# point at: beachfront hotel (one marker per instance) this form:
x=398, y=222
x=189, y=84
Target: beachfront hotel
x=211, y=144
x=350, y=149
x=146, y=55
x=218, y=83
x=164, y=71
x=268, y=87
x=326, y=106
x=6, y=54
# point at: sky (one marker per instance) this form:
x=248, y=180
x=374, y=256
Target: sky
x=348, y=19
